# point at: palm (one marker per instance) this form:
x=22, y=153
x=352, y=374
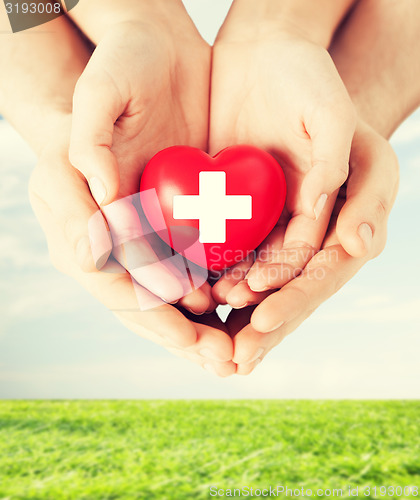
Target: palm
x=167, y=96
x=146, y=90
x=267, y=112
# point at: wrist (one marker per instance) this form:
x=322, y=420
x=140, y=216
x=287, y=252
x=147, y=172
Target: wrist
x=377, y=61
x=97, y=17
x=50, y=133
x=375, y=107
x=315, y=22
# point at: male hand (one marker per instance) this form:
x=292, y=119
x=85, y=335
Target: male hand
x=367, y=198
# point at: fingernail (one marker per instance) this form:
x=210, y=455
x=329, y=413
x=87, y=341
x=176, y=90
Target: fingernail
x=240, y=307
x=196, y=313
x=256, y=283
x=208, y=353
x=366, y=235
x=257, y=354
x=275, y=327
x=259, y=290
x=319, y=205
x=97, y=189
x=210, y=368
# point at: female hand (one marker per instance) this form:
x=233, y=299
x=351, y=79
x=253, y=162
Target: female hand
x=145, y=88
x=292, y=103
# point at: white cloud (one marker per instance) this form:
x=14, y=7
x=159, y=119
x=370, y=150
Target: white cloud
x=386, y=376
x=400, y=312
x=313, y=366
x=17, y=253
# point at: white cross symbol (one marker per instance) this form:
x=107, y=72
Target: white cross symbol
x=212, y=207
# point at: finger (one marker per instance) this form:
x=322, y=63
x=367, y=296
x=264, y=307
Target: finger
x=213, y=340
x=247, y=368
x=97, y=104
x=134, y=252
x=250, y=346
x=213, y=349
x=331, y=130
x=241, y=296
x=238, y=319
x=371, y=192
x=199, y=280
x=197, y=291
x=199, y=301
x=67, y=197
x=285, y=310
x=327, y=271
x=230, y=278
x=286, y=251
x=117, y=291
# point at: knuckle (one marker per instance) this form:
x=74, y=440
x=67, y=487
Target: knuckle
x=335, y=173
x=324, y=272
x=380, y=206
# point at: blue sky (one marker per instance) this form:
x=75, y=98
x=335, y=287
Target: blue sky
x=56, y=341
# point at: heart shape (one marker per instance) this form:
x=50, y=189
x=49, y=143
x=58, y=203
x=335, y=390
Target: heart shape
x=213, y=210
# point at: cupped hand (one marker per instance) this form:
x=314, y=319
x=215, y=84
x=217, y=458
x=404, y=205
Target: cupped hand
x=292, y=103
x=145, y=88
x=63, y=204
x=367, y=198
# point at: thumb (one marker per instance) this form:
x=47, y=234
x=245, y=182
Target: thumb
x=331, y=132
x=371, y=191
x=66, y=197
x=97, y=105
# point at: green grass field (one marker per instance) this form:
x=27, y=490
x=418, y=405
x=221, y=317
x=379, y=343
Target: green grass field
x=178, y=449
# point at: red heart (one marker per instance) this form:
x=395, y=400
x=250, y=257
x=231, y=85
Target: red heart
x=254, y=184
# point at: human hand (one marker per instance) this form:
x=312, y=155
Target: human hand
x=63, y=204
x=367, y=199
x=145, y=88
x=292, y=103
